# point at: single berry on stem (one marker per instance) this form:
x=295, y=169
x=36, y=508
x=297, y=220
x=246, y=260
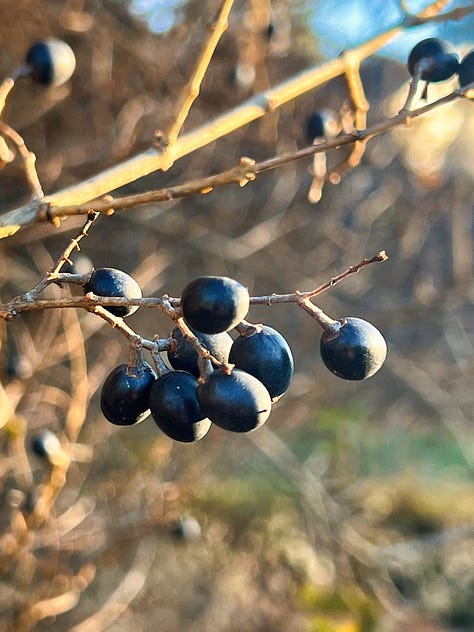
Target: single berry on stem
x=110, y=282
x=265, y=354
x=184, y=356
x=356, y=351
x=51, y=62
x=235, y=401
x=125, y=393
x=175, y=408
x=213, y=304
x=432, y=60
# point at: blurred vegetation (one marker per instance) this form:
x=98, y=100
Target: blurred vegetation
x=351, y=510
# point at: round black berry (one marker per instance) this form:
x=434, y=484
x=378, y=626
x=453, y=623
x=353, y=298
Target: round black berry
x=175, y=408
x=466, y=70
x=267, y=356
x=236, y=401
x=321, y=124
x=438, y=56
x=213, y=304
x=125, y=394
x=185, y=358
x=188, y=528
x=356, y=351
x=112, y=282
x=46, y=445
x=52, y=62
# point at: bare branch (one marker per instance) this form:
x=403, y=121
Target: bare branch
x=247, y=170
x=169, y=306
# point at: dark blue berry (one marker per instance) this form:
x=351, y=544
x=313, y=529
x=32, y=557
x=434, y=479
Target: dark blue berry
x=266, y=355
x=236, y=401
x=175, y=408
x=321, y=124
x=188, y=528
x=466, y=70
x=46, y=445
x=112, y=282
x=356, y=351
x=185, y=358
x=440, y=57
x=52, y=62
x=213, y=304
x=125, y=394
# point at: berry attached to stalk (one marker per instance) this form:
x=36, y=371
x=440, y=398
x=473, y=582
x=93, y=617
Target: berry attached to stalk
x=432, y=60
x=185, y=358
x=266, y=355
x=355, y=351
x=213, y=304
x=51, y=62
x=125, y=394
x=235, y=401
x=110, y=282
x=175, y=408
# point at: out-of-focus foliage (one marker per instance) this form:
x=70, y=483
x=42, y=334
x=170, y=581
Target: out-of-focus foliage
x=351, y=510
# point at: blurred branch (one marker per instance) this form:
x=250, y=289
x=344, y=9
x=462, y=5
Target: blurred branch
x=191, y=89
x=28, y=157
x=155, y=158
x=360, y=106
x=126, y=591
x=247, y=169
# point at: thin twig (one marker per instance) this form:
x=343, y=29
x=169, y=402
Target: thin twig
x=169, y=306
x=361, y=106
x=192, y=88
x=155, y=158
x=28, y=157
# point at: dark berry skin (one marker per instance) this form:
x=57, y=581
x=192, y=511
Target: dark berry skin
x=236, y=401
x=213, y=304
x=321, y=124
x=267, y=356
x=466, y=70
x=185, y=358
x=52, y=62
x=46, y=445
x=125, y=394
x=356, y=351
x=112, y=282
x=442, y=57
x=188, y=528
x=175, y=408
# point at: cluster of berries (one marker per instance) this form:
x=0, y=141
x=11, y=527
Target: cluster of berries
x=250, y=373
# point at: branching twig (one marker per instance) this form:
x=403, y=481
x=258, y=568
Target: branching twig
x=247, y=169
x=361, y=106
x=169, y=306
